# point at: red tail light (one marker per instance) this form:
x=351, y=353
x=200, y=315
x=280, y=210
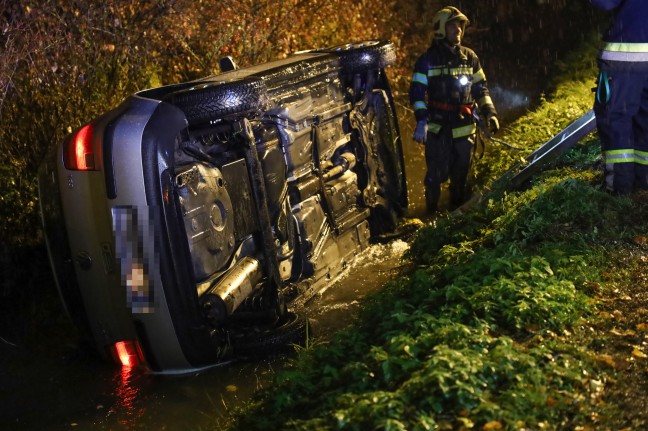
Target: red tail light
x=78, y=154
x=127, y=352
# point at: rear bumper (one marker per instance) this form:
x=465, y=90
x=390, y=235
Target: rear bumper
x=116, y=246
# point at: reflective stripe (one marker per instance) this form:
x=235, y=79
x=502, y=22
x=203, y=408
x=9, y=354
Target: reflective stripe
x=434, y=127
x=461, y=132
x=419, y=105
x=461, y=71
x=624, y=56
x=626, y=47
x=486, y=100
x=612, y=160
x=479, y=76
x=420, y=78
x=454, y=71
x=641, y=157
x=619, y=156
x=458, y=132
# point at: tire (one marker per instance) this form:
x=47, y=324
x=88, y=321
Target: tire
x=388, y=174
x=355, y=57
x=210, y=101
x=382, y=221
x=279, y=337
x=390, y=152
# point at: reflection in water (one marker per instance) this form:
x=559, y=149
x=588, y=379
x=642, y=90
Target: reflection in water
x=128, y=406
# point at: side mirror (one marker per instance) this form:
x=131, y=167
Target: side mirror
x=226, y=64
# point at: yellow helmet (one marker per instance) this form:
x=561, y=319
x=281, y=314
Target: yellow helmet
x=445, y=15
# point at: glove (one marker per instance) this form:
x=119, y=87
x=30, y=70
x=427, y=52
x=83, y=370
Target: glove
x=420, y=134
x=493, y=124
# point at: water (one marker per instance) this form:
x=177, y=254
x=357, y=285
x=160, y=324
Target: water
x=58, y=385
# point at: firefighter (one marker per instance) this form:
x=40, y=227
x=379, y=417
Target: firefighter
x=621, y=99
x=447, y=86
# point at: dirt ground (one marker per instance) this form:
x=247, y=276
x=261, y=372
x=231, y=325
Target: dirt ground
x=619, y=335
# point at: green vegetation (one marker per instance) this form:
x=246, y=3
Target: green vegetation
x=499, y=322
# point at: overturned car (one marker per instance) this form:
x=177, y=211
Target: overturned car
x=182, y=225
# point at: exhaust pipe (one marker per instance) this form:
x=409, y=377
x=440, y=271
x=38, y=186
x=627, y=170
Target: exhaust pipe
x=225, y=296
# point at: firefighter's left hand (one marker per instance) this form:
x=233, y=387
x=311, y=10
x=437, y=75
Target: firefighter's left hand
x=420, y=134
x=493, y=124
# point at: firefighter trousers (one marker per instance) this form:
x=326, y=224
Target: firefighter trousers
x=447, y=158
x=621, y=108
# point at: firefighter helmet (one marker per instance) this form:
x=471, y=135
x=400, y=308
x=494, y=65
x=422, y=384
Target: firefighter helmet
x=444, y=16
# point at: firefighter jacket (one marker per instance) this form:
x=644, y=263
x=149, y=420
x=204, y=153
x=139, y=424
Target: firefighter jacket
x=446, y=85
x=626, y=41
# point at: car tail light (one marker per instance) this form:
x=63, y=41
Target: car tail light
x=78, y=153
x=127, y=353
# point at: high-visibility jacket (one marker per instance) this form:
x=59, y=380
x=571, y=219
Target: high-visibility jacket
x=627, y=38
x=446, y=84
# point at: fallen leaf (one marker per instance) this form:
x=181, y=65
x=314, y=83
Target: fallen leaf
x=622, y=364
x=596, y=386
x=466, y=423
x=642, y=327
x=492, y=425
x=605, y=315
x=626, y=333
x=639, y=354
x=551, y=401
x=605, y=359
x=639, y=239
x=231, y=388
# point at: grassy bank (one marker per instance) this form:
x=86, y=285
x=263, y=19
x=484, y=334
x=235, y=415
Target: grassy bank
x=526, y=312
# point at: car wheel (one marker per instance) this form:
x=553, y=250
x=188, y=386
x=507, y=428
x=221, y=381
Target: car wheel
x=359, y=56
x=382, y=221
x=392, y=177
x=279, y=337
x=386, y=167
x=210, y=101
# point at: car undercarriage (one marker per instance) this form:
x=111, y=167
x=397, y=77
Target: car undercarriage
x=217, y=203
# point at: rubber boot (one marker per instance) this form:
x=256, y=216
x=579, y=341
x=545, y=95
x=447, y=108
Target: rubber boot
x=457, y=196
x=430, y=201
